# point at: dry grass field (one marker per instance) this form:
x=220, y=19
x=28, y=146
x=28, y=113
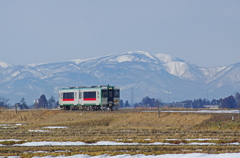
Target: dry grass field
x=120, y=126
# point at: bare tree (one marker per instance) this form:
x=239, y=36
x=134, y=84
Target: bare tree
x=4, y=102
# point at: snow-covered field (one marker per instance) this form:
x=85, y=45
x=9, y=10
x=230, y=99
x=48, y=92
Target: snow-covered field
x=193, y=155
x=206, y=142
x=112, y=143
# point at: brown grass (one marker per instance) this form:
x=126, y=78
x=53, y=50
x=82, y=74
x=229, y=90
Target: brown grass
x=114, y=119
x=122, y=125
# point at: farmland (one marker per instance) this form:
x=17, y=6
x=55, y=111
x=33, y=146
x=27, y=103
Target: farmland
x=117, y=132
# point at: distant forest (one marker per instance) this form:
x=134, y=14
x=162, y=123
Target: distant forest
x=230, y=102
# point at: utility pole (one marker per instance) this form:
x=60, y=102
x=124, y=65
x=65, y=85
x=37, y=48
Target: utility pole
x=159, y=109
x=132, y=97
x=16, y=107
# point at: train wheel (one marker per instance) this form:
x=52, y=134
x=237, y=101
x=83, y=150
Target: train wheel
x=66, y=108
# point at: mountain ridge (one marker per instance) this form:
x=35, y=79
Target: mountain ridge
x=158, y=76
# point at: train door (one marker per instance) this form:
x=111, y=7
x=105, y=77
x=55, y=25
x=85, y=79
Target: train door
x=80, y=97
x=98, y=97
x=110, y=96
x=104, y=98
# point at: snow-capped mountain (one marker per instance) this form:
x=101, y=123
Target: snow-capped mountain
x=160, y=76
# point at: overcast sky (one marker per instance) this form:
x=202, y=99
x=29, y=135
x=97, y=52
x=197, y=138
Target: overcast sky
x=204, y=32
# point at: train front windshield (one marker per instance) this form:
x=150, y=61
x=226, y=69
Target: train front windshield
x=110, y=93
x=104, y=93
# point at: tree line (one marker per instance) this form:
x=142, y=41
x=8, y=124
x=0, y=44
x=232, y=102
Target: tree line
x=145, y=102
x=41, y=102
x=230, y=102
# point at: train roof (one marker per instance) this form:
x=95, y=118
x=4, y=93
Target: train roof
x=85, y=87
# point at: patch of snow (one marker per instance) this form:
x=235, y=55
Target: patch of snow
x=39, y=131
x=16, y=140
x=4, y=64
x=78, y=143
x=236, y=143
x=201, y=139
x=112, y=143
x=36, y=64
x=164, y=57
x=211, y=72
x=78, y=61
x=36, y=152
x=176, y=68
x=146, y=54
x=133, y=56
x=6, y=124
x=194, y=143
x=9, y=125
x=54, y=127
x=46, y=143
x=15, y=73
x=18, y=124
x=123, y=58
x=160, y=143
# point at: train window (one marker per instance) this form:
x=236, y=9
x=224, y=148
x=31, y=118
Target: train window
x=68, y=95
x=97, y=94
x=116, y=94
x=89, y=94
x=104, y=94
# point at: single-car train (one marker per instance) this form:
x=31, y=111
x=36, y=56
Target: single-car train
x=92, y=98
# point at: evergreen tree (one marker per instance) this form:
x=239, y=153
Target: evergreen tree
x=228, y=102
x=135, y=105
x=237, y=98
x=23, y=104
x=127, y=104
x=146, y=101
x=43, y=103
x=51, y=102
x=121, y=104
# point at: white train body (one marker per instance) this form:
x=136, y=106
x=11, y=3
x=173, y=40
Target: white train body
x=89, y=98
